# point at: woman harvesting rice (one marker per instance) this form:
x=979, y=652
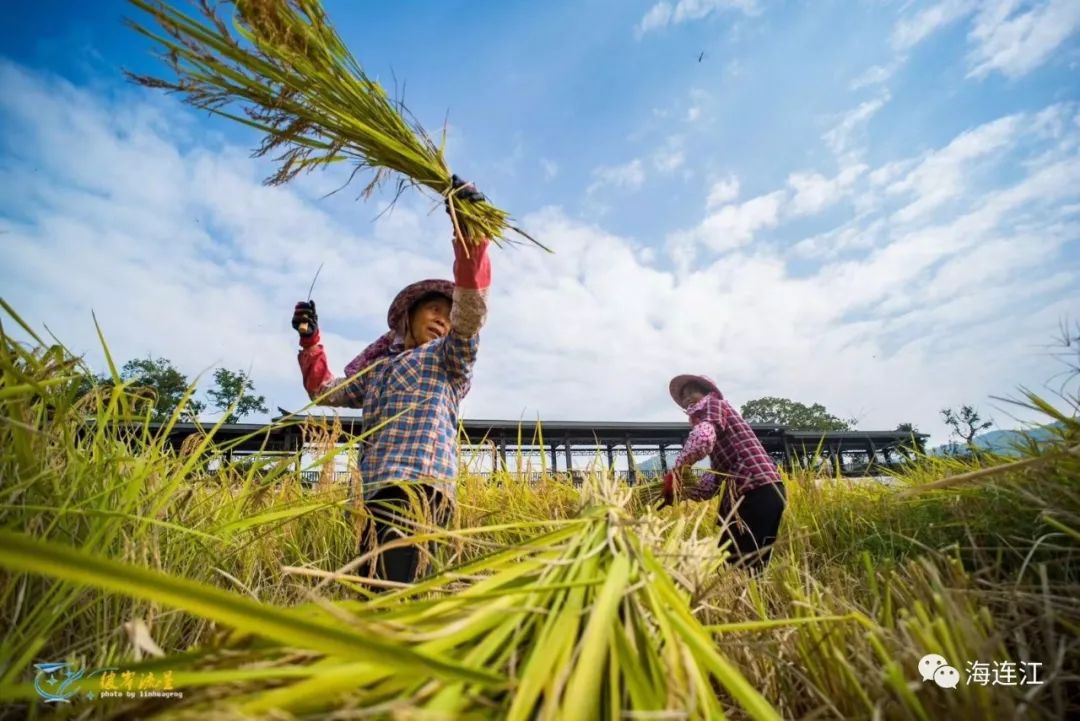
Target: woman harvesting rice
x=419, y=372
x=736, y=455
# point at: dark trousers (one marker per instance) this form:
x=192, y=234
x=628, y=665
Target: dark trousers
x=393, y=517
x=752, y=540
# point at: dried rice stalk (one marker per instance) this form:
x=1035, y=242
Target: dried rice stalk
x=294, y=80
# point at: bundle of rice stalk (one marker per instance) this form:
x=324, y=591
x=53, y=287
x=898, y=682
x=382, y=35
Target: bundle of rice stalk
x=581, y=622
x=292, y=78
x=686, y=481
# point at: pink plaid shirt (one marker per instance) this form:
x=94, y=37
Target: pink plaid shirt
x=734, y=450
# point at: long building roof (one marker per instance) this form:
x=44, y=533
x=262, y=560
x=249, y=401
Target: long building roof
x=285, y=431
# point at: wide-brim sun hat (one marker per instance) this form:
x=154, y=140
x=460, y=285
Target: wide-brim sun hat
x=408, y=295
x=678, y=383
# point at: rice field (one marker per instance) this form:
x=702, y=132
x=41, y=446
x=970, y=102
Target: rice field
x=181, y=587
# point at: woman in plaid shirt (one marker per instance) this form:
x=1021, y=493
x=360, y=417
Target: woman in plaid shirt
x=417, y=374
x=737, y=457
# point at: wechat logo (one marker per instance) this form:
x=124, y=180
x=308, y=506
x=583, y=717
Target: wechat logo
x=933, y=667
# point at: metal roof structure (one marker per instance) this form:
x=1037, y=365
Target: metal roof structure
x=791, y=447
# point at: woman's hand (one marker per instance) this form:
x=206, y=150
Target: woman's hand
x=305, y=321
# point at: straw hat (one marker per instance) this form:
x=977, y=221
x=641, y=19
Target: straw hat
x=678, y=383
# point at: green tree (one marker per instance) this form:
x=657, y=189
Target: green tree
x=162, y=385
x=915, y=442
x=86, y=381
x=794, y=415
x=234, y=395
x=965, y=423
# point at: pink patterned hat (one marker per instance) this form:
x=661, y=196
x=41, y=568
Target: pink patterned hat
x=408, y=295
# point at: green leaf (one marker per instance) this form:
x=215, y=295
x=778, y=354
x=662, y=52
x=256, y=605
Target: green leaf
x=19, y=552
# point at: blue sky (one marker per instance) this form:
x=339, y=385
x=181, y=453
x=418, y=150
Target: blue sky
x=869, y=204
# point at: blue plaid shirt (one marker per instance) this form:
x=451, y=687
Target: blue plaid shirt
x=416, y=394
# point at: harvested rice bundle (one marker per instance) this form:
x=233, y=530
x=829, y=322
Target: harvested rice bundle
x=681, y=486
x=579, y=622
x=292, y=78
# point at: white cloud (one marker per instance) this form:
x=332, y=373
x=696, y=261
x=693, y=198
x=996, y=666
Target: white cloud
x=177, y=246
x=1015, y=42
x=847, y=138
x=628, y=176
x=153, y=227
x=877, y=74
x=1012, y=37
x=551, y=168
x=723, y=191
x=940, y=176
x=662, y=14
x=658, y=16
x=669, y=160
x=698, y=99
x=814, y=192
x=909, y=194
x=997, y=261
x=671, y=156
x=732, y=226
x=699, y=9
x=854, y=236
x=891, y=171
x=1017, y=214
x=927, y=291
x=913, y=30
x=682, y=249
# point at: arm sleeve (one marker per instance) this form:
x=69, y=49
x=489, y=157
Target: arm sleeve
x=472, y=278
x=321, y=384
x=698, y=445
x=458, y=355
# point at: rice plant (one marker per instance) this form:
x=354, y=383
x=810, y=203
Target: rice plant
x=542, y=601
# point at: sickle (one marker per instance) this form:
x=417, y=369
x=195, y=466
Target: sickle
x=304, y=326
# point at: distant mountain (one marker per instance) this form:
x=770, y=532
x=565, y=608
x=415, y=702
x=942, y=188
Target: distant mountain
x=1005, y=442
x=652, y=464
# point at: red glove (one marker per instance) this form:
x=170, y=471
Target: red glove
x=669, y=490
x=472, y=268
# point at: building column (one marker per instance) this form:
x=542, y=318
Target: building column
x=663, y=458
x=631, y=474
x=554, y=459
x=566, y=450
